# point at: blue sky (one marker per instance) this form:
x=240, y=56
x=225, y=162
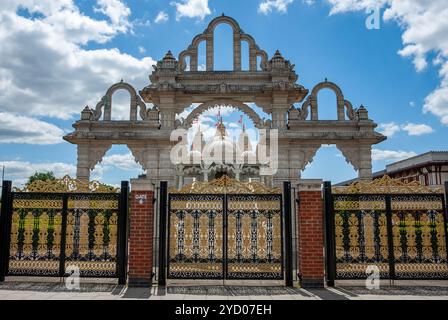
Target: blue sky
x=58, y=56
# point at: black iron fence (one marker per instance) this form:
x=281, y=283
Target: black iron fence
x=58, y=233
x=403, y=235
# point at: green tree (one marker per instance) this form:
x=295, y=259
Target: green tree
x=49, y=175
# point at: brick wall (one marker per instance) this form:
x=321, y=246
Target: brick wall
x=311, y=237
x=140, y=238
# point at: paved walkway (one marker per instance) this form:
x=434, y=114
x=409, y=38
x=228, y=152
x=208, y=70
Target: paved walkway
x=101, y=289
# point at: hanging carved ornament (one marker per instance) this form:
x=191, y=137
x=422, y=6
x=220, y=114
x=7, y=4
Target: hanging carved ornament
x=67, y=184
x=225, y=185
x=385, y=185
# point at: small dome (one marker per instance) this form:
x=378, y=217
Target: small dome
x=248, y=157
x=195, y=157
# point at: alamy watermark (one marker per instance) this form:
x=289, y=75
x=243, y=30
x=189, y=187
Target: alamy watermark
x=373, y=277
x=73, y=282
x=373, y=20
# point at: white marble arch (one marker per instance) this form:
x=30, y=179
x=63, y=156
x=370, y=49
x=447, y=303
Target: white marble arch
x=248, y=111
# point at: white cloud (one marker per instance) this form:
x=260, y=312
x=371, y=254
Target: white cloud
x=388, y=129
x=391, y=155
x=113, y=163
x=124, y=161
x=162, y=16
x=412, y=129
x=340, y=6
x=267, y=6
x=44, y=71
x=425, y=33
x=417, y=129
x=117, y=11
x=21, y=129
x=141, y=50
x=192, y=9
x=20, y=171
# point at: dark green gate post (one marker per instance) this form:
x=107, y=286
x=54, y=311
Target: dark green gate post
x=5, y=221
x=122, y=255
x=330, y=248
x=163, y=197
x=288, y=233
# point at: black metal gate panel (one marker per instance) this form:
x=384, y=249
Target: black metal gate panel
x=55, y=234
x=254, y=237
x=404, y=235
x=219, y=236
x=36, y=232
x=195, y=236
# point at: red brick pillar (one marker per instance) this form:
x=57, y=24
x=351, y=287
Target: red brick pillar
x=311, y=234
x=141, y=233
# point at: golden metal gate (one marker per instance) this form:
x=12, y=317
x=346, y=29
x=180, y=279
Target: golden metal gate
x=225, y=229
x=400, y=228
x=52, y=228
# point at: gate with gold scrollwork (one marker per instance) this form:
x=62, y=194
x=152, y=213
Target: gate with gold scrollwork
x=60, y=227
x=233, y=231
x=399, y=229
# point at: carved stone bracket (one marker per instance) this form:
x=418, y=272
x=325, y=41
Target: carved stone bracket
x=139, y=154
x=351, y=154
x=96, y=154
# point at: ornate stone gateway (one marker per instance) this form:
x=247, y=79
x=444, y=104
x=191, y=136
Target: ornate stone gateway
x=225, y=229
x=271, y=84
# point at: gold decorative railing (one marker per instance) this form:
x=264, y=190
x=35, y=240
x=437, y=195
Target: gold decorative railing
x=67, y=184
x=226, y=185
x=386, y=185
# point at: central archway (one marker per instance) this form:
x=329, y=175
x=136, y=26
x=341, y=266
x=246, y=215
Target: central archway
x=258, y=122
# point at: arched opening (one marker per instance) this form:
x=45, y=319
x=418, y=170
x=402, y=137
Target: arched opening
x=223, y=47
x=244, y=56
x=327, y=105
x=118, y=164
x=202, y=56
x=121, y=105
x=259, y=63
x=187, y=63
x=329, y=164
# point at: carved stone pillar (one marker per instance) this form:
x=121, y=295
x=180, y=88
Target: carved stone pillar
x=252, y=58
x=194, y=60
x=82, y=168
x=209, y=47
x=236, y=52
x=133, y=111
x=314, y=111
x=365, y=162
x=341, y=109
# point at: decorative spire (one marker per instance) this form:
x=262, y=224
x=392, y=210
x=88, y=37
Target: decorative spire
x=169, y=56
x=221, y=129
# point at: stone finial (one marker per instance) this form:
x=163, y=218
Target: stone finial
x=86, y=113
x=363, y=114
x=168, y=62
x=278, y=62
x=169, y=56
